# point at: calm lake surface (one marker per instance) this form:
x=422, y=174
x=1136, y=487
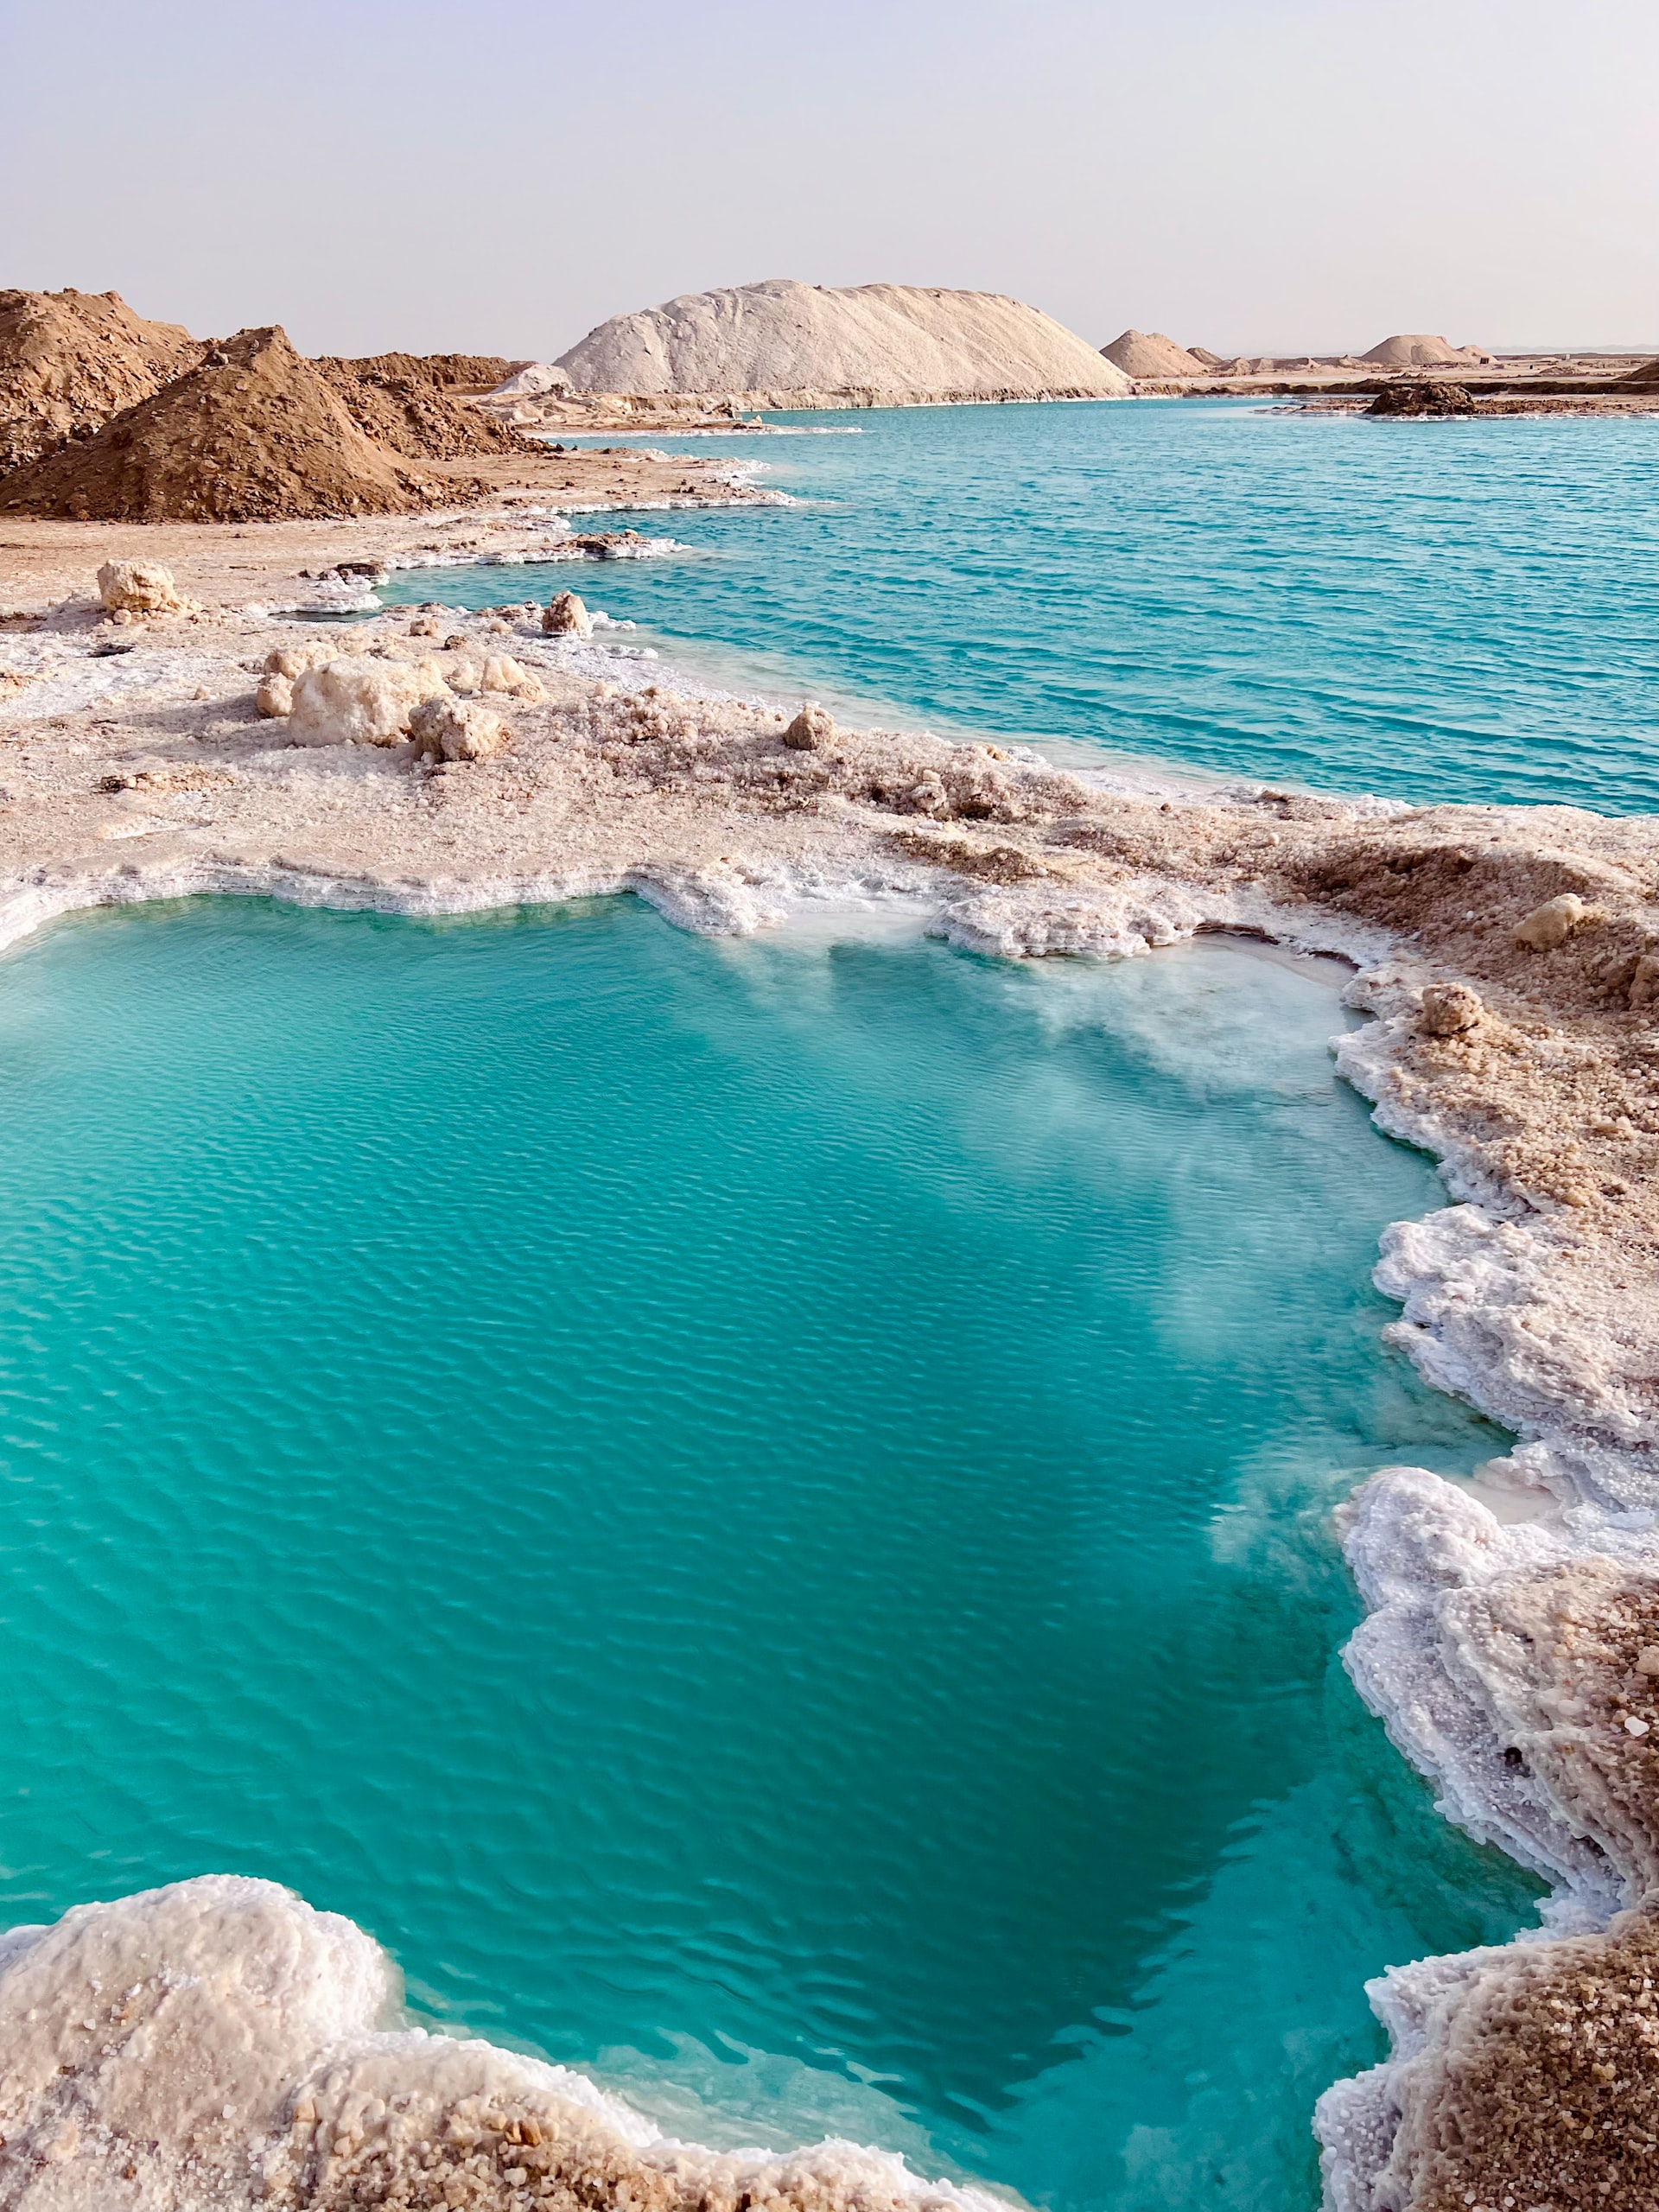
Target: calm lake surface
x=1428, y=610
x=757, y=1512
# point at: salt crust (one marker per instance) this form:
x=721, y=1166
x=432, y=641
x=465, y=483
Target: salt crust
x=1505, y=1295
x=218, y=2044
x=1485, y=1318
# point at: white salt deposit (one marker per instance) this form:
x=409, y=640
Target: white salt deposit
x=218, y=2044
x=901, y=340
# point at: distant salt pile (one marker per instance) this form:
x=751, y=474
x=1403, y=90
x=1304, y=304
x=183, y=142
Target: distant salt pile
x=1148, y=353
x=1418, y=350
x=253, y=435
x=69, y=360
x=783, y=339
x=534, y=381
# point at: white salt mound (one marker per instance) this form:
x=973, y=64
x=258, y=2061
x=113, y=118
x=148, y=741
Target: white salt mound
x=908, y=340
x=534, y=381
x=1418, y=350
x=1149, y=353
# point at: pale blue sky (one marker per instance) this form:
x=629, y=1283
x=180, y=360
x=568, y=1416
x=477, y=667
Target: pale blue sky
x=1255, y=175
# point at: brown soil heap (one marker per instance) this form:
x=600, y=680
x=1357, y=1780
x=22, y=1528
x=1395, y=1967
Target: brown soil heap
x=468, y=373
x=253, y=435
x=1428, y=397
x=410, y=405
x=69, y=360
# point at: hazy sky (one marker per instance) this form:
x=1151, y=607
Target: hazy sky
x=1262, y=176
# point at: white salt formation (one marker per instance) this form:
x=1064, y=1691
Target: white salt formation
x=533, y=381
x=1143, y=354
x=138, y=587
x=218, y=2044
x=901, y=341
x=1418, y=350
x=566, y=616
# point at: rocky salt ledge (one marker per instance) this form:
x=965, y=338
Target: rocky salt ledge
x=1510, y=961
x=218, y=2044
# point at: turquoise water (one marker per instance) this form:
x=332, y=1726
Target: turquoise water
x=757, y=1512
x=1427, y=610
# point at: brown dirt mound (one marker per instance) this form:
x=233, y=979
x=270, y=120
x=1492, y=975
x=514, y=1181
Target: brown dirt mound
x=254, y=435
x=69, y=360
x=391, y=401
x=1429, y=396
x=447, y=372
x=1646, y=378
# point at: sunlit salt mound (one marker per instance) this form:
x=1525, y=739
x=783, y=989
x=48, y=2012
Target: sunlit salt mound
x=1418, y=350
x=69, y=360
x=219, y=2043
x=1149, y=353
x=253, y=435
x=786, y=340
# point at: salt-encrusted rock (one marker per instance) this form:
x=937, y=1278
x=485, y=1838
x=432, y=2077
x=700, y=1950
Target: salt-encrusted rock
x=810, y=731
x=293, y=661
x=566, y=617
x=218, y=2044
x=139, y=588
x=1552, y=923
x=1450, y=1009
x=457, y=729
x=1645, y=981
x=502, y=673
x=275, y=696
x=352, y=701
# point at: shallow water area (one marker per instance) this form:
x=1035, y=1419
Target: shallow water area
x=1424, y=610
x=759, y=1512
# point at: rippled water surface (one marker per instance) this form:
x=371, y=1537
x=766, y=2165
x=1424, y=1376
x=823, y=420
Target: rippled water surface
x=1430, y=610
x=758, y=1513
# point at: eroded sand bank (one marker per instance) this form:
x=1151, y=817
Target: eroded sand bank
x=1513, y=1641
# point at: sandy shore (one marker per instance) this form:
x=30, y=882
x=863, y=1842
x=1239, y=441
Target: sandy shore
x=1511, y=1623
x=233, y=563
